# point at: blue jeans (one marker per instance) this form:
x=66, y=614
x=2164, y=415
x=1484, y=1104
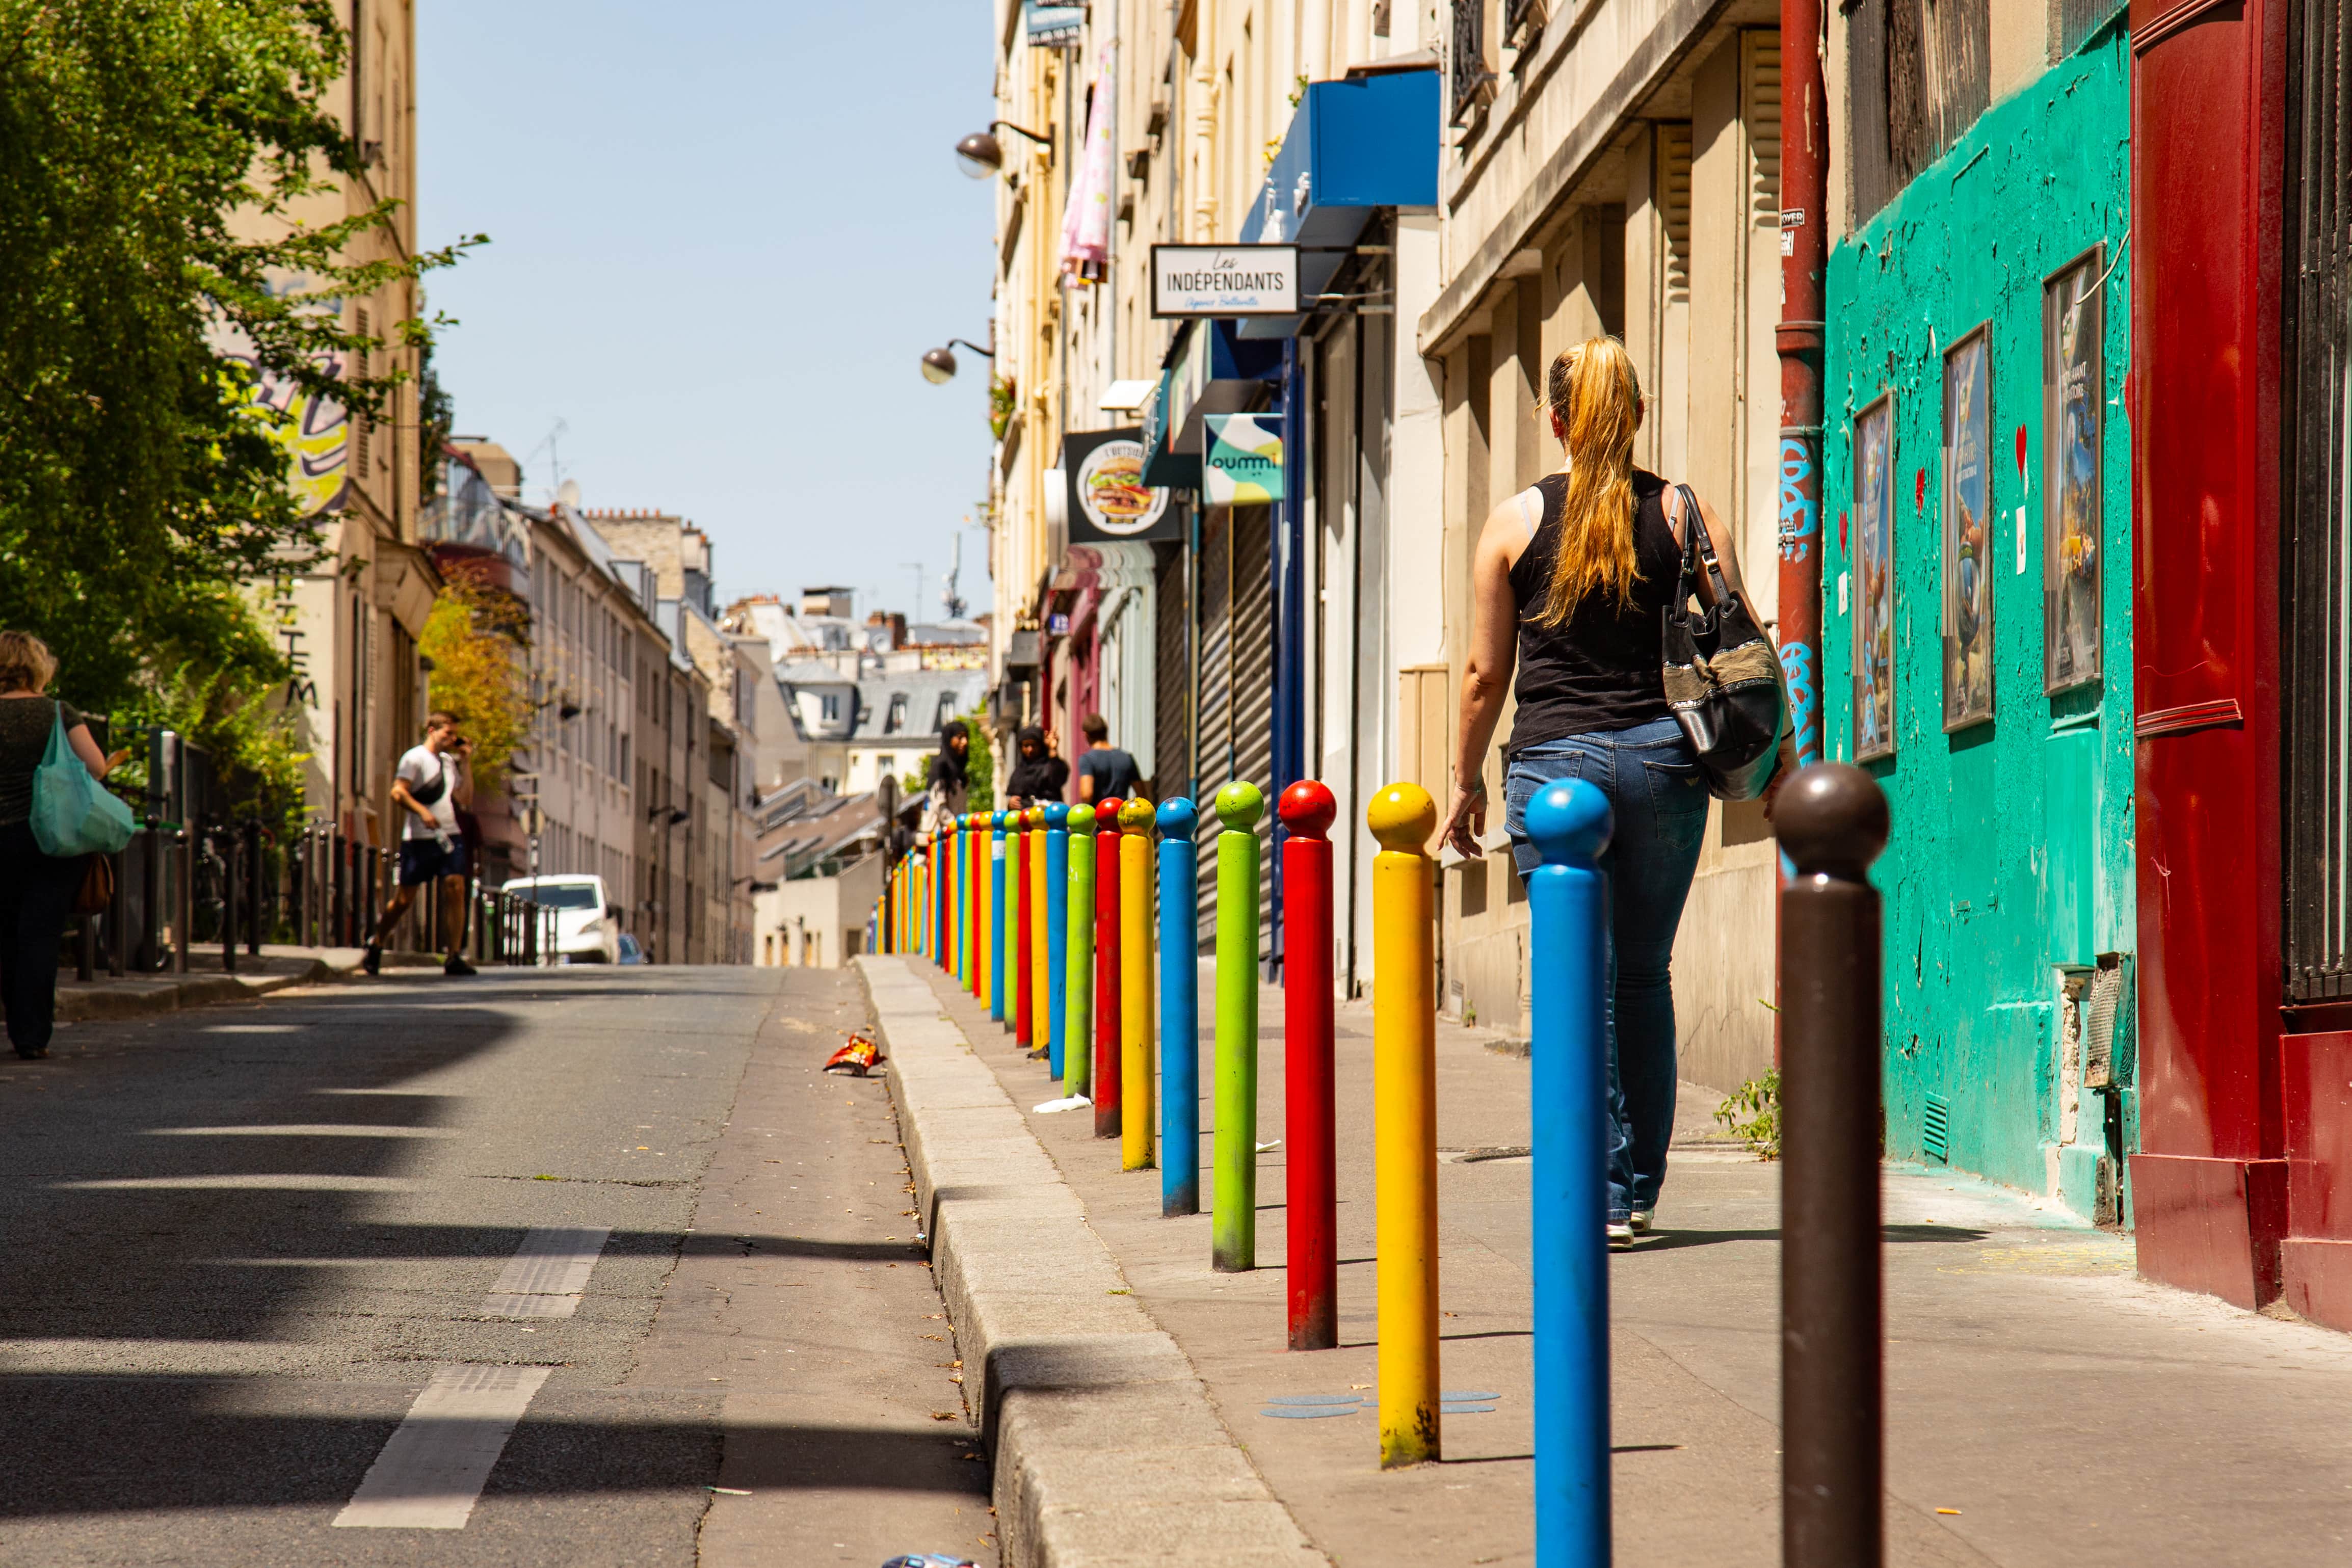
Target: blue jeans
x=1659, y=798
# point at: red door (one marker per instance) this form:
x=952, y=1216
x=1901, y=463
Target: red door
x=2210, y=1191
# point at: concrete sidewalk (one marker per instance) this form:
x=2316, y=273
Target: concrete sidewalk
x=276, y=968
x=2045, y=1405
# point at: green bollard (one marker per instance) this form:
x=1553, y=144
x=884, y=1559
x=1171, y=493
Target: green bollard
x=1233, y=1230
x=1077, y=1026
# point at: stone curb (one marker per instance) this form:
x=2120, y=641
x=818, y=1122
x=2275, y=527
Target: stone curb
x=137, y=997
x=1107, y=1453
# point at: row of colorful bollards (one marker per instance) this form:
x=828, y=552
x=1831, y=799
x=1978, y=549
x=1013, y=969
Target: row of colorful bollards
x=1045, y=916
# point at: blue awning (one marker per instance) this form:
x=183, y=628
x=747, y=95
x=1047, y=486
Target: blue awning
x=1367, y=141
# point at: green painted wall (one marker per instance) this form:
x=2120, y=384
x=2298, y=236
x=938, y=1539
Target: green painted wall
x=2013, y=842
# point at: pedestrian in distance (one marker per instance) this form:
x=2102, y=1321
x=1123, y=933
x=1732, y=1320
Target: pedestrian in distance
x=36, y=888
x=1105, y=772
x=950, y=781
x=1039, y=776
x=428, y=785
x=1571, y=585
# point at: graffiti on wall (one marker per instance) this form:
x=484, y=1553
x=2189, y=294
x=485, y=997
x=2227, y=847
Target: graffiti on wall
x=316, y=431
x=1801, y=528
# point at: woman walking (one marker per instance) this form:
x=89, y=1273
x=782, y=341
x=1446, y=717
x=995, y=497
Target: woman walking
x=950, y=780
x=1570, y=584
x=36, y=888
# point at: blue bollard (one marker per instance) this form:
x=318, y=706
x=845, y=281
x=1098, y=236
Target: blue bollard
x=996, y=916
x=1180, y=1010
x=1567, y=907
x=1057, y=932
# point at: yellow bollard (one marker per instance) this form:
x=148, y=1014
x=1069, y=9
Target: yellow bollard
x=1405, y=1121
x=1137, y=1111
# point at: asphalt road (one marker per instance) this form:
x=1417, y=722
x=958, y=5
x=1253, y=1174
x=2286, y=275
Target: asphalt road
x=605, y=1247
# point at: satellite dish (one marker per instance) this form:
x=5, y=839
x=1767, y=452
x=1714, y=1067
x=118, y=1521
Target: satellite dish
x=568, y=494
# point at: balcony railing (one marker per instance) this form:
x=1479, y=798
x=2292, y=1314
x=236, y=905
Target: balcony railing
x=1470, y=84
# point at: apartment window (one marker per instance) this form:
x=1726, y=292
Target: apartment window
x=947, y=710
x=830, y=706
x=1470, y=81
x=1920, y=76
x=361, y=426
x=885, y=765
x=896, y=719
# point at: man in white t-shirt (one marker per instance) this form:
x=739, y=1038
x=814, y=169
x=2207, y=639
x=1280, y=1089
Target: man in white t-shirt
x=426, y=787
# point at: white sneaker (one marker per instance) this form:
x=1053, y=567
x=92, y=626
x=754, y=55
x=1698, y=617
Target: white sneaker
x=1643, y=1218
x=1621, y=1236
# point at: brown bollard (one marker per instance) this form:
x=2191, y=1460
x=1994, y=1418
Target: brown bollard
x=1832, y=823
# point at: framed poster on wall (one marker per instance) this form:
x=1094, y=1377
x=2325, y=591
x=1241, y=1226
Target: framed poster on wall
x=1874, y=566
x=1967, y=509
x=2073, y=423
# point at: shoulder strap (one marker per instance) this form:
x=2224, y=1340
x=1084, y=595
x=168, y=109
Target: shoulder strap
x=1531, y=509
x=1699, y=547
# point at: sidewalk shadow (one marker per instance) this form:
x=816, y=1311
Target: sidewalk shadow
x=1670, y=1240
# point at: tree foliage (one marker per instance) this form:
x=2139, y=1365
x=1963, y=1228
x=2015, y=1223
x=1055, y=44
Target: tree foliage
x=152, y=155
x=475, y=637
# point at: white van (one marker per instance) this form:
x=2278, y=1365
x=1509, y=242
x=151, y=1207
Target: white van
x=587, y=923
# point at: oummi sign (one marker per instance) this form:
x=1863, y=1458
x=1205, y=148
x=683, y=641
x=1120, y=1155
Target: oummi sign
x=1243, y=466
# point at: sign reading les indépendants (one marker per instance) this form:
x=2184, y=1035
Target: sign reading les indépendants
x=1224, y=280
x=1244, y=466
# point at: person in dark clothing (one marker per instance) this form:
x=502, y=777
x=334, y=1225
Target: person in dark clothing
x=1039, y=776
x=950, y=780
x=36, y=888
x=1571, y=581
x=1105, y=772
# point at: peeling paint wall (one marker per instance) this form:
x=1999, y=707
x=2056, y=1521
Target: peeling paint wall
x=2011, y=855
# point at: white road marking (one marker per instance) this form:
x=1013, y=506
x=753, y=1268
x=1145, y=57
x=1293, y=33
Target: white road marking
x=253, y=1028
x=547, y=1275
x=272, y=1181
x=432, y=1471
x=303, y=1130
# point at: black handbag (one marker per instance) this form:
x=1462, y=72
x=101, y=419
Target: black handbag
x=1723, y=675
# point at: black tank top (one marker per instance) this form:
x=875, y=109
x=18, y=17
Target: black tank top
x=1600, y=669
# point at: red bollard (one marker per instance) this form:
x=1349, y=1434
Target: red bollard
x=1021, y=986
x=1307, y=810
x=1105, y=1086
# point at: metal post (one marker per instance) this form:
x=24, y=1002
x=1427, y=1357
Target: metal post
x=1078, y=941
x=257, y=901
x=1035, y=918
x=1025, y=964
x=1567, y=903
x=1311, y=1137
x=150, y=956
x=996, y=915
x=1234, y=1225
x=530, y=914
x=1058, y=935
x=184, y=906
x=1804, y=262
x=1137, y=1085
x=1832, y=823
x=975, y=901
x=1107, y=976
x=118, y=940
x=1180, y=1010
x=229, y=890
x=1404, y=1121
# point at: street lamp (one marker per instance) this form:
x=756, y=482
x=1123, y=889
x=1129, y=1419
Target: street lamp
x=979, y=154
x=940, y=363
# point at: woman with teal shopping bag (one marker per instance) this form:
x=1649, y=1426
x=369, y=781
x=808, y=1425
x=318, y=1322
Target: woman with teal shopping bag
x=41, y=735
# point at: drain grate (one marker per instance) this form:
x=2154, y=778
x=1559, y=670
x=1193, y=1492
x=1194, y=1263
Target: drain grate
x=1936, y=1130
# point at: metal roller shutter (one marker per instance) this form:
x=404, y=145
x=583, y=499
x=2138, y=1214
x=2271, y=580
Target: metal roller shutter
x=1253, y=659
x=1171, y=747
x=1212, y=736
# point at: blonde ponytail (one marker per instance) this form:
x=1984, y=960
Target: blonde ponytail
x=1597, y=398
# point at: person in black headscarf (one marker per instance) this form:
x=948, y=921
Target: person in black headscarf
x=1040, y=775
x=950, y=780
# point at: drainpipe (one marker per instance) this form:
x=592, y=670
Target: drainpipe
x=1804, y=259
x=1804, y=262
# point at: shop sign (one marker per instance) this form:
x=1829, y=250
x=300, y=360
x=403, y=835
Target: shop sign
x=1108, y=500
x=1224, y=280
x=1244, y=466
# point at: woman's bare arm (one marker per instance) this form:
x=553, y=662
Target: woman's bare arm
x=1485, y=672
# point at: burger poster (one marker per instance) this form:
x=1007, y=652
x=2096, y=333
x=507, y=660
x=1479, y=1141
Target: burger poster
x=1109, y=500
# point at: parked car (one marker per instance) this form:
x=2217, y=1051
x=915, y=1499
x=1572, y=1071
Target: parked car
x=630, y=952
x=587, y=923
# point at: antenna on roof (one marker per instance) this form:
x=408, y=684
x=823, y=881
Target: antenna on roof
x=949, y=597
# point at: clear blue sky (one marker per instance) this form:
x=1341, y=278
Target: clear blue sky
x=722, y=235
